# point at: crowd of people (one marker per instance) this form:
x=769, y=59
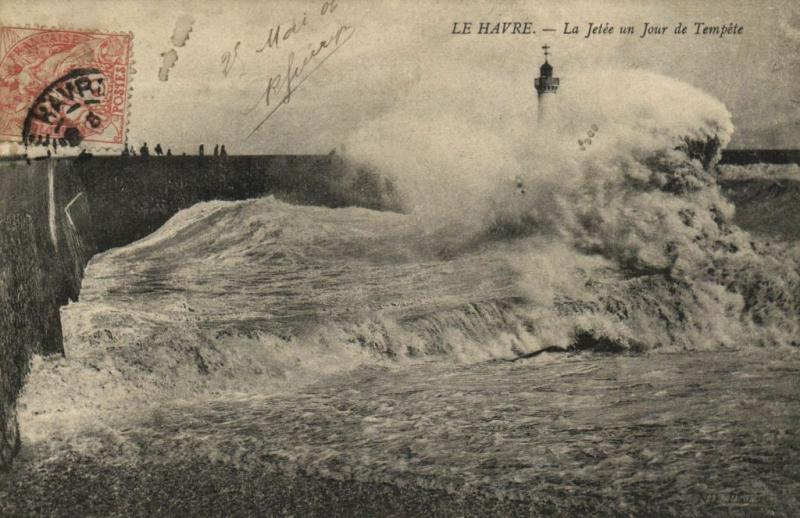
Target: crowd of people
x=159, y=151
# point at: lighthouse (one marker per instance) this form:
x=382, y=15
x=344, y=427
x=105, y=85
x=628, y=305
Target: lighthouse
x=546, y=86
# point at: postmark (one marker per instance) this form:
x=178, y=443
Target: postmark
x=64, y=87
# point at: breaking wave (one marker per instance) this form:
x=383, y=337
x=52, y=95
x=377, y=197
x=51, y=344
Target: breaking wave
x=605, y=231
x=623, y=176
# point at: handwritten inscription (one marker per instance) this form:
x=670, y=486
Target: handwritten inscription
x=297, y=71
x=229, y=59
x=296, y=44
x=275, y=36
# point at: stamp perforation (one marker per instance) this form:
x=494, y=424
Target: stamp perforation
x=129, y=71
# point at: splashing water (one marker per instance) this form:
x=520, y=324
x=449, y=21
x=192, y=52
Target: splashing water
x=513, y=240
x=626, y=245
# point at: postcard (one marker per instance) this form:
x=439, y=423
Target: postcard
x=399, y=258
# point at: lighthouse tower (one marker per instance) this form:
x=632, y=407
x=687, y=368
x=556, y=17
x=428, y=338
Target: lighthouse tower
x=546, y=86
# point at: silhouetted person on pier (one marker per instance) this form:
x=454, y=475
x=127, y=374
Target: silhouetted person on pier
x=202, y=150
x=222, y=151
x=125, y=151
x=144, y=151
x=158, y=149
x=216, y=150
x=169, y=152
x=84, y=156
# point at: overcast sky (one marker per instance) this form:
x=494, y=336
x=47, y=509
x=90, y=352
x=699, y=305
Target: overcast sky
x=387, y=50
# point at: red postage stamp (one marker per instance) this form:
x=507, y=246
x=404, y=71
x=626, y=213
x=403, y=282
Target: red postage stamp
x=63, y=87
